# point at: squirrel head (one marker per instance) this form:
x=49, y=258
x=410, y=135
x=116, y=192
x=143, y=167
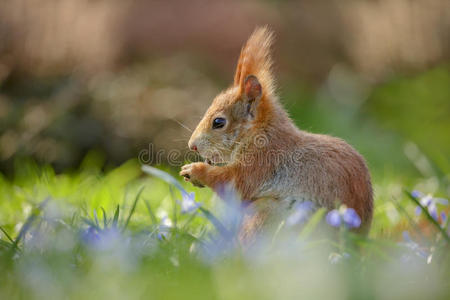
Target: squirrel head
x=241, y=109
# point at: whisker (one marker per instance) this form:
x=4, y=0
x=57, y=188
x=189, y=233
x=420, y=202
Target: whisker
x=182, y=125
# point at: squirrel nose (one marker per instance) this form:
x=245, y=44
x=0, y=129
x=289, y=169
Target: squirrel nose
x=192, y=144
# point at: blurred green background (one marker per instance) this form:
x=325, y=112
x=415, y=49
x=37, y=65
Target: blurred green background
x=120, y=77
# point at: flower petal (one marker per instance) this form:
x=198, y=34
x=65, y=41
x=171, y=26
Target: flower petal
x=433, y=211
x=425, y=201
x=416, y=194
x=418, y=210
x=351, y=218
x=333, y=218
x=188, y=203
x=443, y=217
x=301, y=213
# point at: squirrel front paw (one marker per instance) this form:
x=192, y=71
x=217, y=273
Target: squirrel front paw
x=194, y=173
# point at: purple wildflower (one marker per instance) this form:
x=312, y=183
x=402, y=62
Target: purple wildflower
x=433, y=211
x=90, y=236
x=414, y=247
x=443, y=217
x=430, y=203
x=416, y=194
x=188, y=203
x=333, y=218
x=161, y=236
x=336, y=258
x=418, y=210
x=102, y=239
x=301, y=213
x=165, y=222
x=343, y=215
x=164, y=228
x=351, y=218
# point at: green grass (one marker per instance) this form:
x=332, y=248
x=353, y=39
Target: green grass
x=101, y=232
x=96, y=234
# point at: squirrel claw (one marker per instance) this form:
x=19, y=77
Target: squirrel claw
x=190, y=173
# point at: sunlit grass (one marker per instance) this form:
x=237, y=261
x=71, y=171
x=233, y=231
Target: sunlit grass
x=122, y=234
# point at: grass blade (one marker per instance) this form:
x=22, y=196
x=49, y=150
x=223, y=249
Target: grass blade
x=90, y=223
x=219, y=226
x=133, y=207
x=116, y=216
x=96, y=219
x=313, y=221
x=105, y=218
x=413, y=224
x=277, y=231
x=24, y=229
x=5, y=244
x=6, y=234
x=191, y=218
x=72, y=219
x=29, y=222
x=164, y=176
x=174, y=210
x=150, y=212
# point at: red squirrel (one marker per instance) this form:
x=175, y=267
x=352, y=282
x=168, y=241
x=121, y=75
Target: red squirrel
x=249, y=142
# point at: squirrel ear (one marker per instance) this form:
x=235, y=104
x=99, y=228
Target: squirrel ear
x=252, y=94
x=252, y=88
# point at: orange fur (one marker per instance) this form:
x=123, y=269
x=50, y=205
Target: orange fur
x=266, y=157
x=255, y=59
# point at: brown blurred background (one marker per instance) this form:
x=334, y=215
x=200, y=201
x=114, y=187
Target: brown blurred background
x=77, y=75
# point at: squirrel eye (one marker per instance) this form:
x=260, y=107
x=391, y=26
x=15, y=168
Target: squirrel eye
x=218, y=123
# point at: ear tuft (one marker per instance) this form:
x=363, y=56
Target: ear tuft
x=256, y=59
x=252, y=88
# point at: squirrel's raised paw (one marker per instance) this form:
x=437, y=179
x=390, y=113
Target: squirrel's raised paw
x=194, y=172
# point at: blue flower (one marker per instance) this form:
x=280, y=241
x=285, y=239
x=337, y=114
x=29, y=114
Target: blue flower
x=301, y=213
x=418, y=210
x=165, y=222
x=416, y=194
x=102, y=240
x=433, y=211
x=164, y=227
x=335, y=258
x=188, y=203
x=334, y=218
x=351, y=218
x=414, y=247
x=161, y=236
x=90, y=235
x=343, y=215
x=430, y=203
